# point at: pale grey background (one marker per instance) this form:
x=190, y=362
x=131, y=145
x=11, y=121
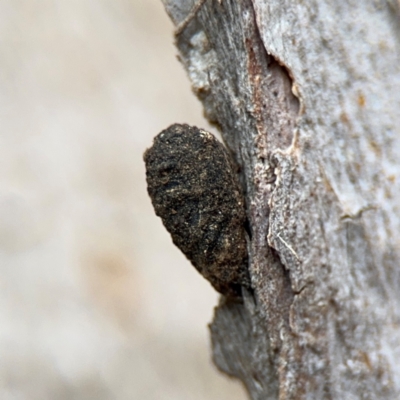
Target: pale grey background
x=95, y=301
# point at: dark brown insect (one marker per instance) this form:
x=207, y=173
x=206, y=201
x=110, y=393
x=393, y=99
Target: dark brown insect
x=195, y=191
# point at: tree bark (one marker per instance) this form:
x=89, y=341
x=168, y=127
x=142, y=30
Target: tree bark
x=307, y=98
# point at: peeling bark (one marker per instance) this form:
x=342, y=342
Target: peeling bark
x=307, y=98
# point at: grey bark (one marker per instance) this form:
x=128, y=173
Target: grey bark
x=306, y=95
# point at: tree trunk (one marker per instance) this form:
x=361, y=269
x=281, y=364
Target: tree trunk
x=306, y=95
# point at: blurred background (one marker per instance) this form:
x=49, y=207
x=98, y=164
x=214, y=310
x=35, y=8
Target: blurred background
x=95, y=301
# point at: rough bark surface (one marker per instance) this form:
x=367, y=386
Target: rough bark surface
x=307, y=97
